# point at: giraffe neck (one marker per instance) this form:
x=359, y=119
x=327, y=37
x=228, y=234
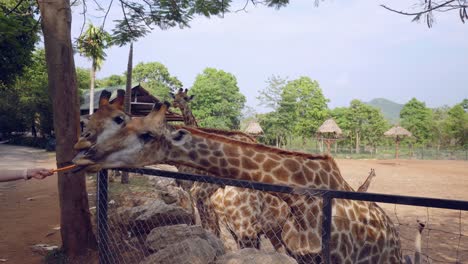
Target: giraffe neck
x=189, y=119
x=229, y=158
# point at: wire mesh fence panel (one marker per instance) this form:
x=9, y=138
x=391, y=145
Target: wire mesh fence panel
x=183, y=218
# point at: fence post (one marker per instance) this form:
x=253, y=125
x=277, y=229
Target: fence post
x=326, y=228
x=101, y=218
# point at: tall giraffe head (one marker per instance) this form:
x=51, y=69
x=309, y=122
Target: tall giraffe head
x=181, y=99
x=112, y=139
x=105, y=122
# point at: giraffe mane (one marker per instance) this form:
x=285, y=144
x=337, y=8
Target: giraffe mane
x=227, y=133
x=257, y=146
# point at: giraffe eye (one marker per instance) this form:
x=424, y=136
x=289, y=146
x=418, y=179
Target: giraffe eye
x=145, y=137
x=118, y=119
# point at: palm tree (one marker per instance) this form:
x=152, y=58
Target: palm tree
x=91, y=45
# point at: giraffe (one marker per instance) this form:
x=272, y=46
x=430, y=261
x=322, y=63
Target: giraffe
x=367, y=182
x=261, y=212
x=361, y=231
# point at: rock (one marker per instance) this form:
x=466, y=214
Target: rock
x=43, y=249
x=142, y=219
x=254, y=256
x=163, y=237
x=190, y=251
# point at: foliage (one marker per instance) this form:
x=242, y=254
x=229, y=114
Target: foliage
x=307, y=106
x=299, y=109
x=12, y=118
x=93, y=43
x=83, y=78
x=19, y=33
x=27, y=104
x=113, y=80
x=271, y=95
x=417, y=119
x=218, y=102
x=155, y=77
x=362, y=124
x=439, y=126
x=457, y=125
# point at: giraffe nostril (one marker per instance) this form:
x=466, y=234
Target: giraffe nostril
x=87, y=135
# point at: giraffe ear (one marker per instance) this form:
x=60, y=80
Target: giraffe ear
x=191, y=97
x=180, y=136
x=119, y=101
x=158, y=115
x=104, y=98
x=172, y=95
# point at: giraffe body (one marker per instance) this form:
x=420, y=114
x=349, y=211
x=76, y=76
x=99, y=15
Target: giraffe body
x=245, y=212
x=361, y=231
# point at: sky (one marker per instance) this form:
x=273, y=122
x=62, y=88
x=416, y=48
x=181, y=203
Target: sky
x=355, y=49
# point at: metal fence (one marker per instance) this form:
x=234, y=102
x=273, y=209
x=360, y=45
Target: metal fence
x=132, y=250
x=388, y=152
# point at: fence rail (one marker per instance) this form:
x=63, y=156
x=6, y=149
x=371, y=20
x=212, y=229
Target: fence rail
x=327, y=195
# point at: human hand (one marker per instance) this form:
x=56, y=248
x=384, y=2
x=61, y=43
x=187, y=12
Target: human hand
x=39, y=173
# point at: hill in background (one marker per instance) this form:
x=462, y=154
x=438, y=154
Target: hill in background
x=390, y=109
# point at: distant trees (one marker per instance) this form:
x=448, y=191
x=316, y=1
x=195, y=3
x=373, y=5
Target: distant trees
x=25, y=105
x=19, y=34
x=113, y=80
x=218, y=102
x=457, y=125
x=299, y=108
x=362, y=124
x=417, y=119
x=156, y=78
x=92, y=45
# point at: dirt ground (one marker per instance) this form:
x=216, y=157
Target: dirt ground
x=26, y=222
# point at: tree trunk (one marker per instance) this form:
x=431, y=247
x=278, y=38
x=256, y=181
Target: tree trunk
x=76, y=229
x=127, y=101
x=91, y=87
x=357, y=142
x=33, y=130
x=128, y=87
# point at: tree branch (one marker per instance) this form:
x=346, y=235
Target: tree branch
x=244, y=8
x=420, y=12
x=125, y=17
x=14, y=8
x=105, y=16
x=84, y=18
x=137, y=12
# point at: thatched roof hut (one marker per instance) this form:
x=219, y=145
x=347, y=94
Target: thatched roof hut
x=330, y=126
x=397, y=132
x=329, y=132
x=254, y=128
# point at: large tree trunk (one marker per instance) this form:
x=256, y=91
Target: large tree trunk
x=128, y=98
x=91, y=87
x=357, y=142
x=76, y=229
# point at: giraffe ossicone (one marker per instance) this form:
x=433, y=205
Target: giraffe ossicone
x=361, y=231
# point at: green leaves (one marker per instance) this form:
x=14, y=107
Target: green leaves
x=156, y=78
x=417, y=119
x=361, y=124
x=19, y=34
x=93, y=43
x=299, y=108
x=218, y=102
